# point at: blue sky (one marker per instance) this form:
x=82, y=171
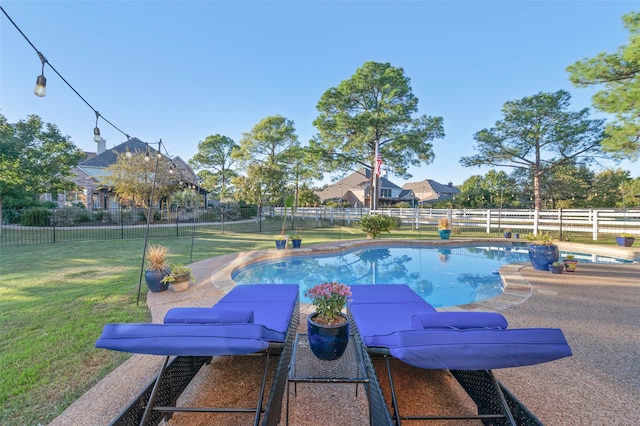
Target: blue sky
x=183, y=70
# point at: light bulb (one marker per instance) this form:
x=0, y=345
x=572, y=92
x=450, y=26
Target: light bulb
x=128, y=153
x=96, y=135
x=41, y=86
x=146, y=157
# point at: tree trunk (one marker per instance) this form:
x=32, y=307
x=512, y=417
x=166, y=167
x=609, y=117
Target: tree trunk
x=537, y=201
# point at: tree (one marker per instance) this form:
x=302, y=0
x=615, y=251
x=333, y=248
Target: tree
x=373, y=110
x=34, y=158
x=269, y=148
x=134, y=178
x=620, y=74
x=214, y=161
x=538, y=134
x=307, y=197
x=608, y=189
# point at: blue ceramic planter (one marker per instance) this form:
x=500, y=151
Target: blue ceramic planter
x=327, y=342
x=541, y=256
x=154, y=281
x=296, y=243
x=445, y=233
x=281, y=244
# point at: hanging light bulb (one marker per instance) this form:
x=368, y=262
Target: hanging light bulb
x=170, y=170
x=96, y=130
x=146, y=156
x=128, y=153
x=41, y=82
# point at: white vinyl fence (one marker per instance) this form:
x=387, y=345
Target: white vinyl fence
x=593, y=221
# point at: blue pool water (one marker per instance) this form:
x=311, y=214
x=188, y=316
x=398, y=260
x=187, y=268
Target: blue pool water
x=442, y=276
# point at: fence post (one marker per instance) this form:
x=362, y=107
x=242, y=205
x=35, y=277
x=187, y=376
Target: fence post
x=488, y=227
x=594, y=218
x=536, y=218
x=53, y=223
x=560, y=219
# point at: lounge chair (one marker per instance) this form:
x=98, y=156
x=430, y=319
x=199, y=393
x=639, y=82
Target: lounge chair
x=394, y=321
x=249, y=320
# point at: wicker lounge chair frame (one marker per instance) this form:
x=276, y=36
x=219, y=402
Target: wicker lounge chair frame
x=496, y=405
x=158, y=400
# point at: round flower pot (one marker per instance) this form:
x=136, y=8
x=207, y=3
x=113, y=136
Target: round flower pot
x=296, y=243
x=445, y=233
x=570, y=265
x=327, y=342
x=281, y=244
x=182, y=282
x=507, y=234
x=625, y=241
x=541, y=256
x=154, y=281
x=556, y=269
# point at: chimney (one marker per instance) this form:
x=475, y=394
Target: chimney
x=450, y=184
x=102, y=145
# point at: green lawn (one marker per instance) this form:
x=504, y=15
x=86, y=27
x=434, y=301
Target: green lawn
x=55, y=299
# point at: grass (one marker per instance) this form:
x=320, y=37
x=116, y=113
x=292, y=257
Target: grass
x=55, y=299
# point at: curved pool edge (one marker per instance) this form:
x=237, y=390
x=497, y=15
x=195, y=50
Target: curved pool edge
x=517, y=289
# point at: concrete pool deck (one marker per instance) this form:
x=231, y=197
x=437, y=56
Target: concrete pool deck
x=597, y=307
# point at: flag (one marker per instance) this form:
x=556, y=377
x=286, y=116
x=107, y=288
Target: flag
x=378, y=164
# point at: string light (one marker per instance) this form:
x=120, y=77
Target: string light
x=41, y=82
x=96, y=130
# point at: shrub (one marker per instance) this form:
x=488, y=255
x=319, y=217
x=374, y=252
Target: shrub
x=36, y=217
x=375, y=224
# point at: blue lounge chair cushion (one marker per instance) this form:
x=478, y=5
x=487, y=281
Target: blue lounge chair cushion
x=187, y=339
x=272, y=306
x=387, y=293
x=457, y=320
x=476, y=349
x=214, y=315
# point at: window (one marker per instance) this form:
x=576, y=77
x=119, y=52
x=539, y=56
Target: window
x=385, y=192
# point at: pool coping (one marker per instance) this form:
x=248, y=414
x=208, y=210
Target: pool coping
x=517, y=288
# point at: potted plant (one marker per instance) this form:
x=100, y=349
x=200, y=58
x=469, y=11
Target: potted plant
x=156, y=257
x=328, y=327
x=506, y=233
x=542, y=251
x=625, y=240
x=179, y=277
x=281, y=242
x=296, y=240
x=570, y=263
x=444, y=228
x=556, y=267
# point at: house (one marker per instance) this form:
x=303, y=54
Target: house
x=90, y=173
x=355, y=189
x=430, y=191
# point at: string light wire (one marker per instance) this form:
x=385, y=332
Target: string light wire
x=44, y=61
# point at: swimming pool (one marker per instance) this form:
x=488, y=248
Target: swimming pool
x=443, y=276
